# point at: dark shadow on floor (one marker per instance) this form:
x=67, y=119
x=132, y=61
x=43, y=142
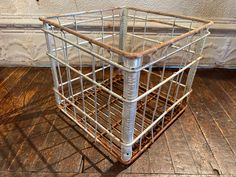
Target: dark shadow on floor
x=35, y=138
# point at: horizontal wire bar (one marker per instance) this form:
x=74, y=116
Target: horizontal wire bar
x=85, y=114
x=83, y=12
x=155, y=74
x=167, y=79
x=157, y=41
x=86, y=16
x=86, y=77
x=171, y=15
x=113, y=136
x=118, y=96
x=171, y=53
x=76, y=94
x=156, y=121
x=92, y=53
x=159, y=21
x=83, y=42
x=89, y=20
x=87, y=74
x=71, y=117
x=118, y=65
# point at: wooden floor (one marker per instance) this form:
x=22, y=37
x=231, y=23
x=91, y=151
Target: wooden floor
x=36, y=139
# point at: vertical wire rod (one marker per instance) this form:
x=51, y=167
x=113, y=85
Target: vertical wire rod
x=95, y=92
x=81, y=77
x=102, y=21
x=145, y=30
x=132, y=39
x=58, y=66
x=167, y=100
x=145, y=102
x=159, y=91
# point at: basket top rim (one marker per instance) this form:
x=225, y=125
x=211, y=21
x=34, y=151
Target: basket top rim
x=129, y=55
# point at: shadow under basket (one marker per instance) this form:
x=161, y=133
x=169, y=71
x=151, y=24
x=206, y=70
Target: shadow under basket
x=115, y=108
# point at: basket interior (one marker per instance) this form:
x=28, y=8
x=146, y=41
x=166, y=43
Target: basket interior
x=109, y=113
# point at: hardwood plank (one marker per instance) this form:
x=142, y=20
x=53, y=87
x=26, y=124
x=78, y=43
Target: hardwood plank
x=12, y=77
x=29, y=149
x=52, y=153
x=51, y=146
x=15, y=111
x=224, y=99
x=139, y=167
x=55, y=144
x=8, y=134
x=94, y=159
x=202, y=154
x=160, y=159
x=11, y=101
x=181, y=155
x=5, y=73
x=216, y=108
x=2, y=74
x=22, y=123
x=231, y=73
x=227, y=81
x=19, y=115
x=212, y=134
x=27, y=85
x=50, y=143
x=70, y=160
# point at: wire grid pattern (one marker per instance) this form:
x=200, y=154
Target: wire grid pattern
x=119, y=100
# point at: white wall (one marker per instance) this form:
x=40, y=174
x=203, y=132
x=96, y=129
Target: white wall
x=203, y=8
x=21, y=45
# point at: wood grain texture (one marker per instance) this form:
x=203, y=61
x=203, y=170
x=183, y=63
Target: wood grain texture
x=202, y=154
x=160, y=159
x=10, y=77
x=227, y=81
x=22, y=117
x=38, y=140
x=180, y=153
x=211, y=130
x=221, y=107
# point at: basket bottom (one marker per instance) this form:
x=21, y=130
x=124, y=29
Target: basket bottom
x=109, y=115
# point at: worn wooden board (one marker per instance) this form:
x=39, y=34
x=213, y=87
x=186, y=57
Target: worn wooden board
x=36, y=139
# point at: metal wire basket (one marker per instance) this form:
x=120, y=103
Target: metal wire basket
x=103, y=62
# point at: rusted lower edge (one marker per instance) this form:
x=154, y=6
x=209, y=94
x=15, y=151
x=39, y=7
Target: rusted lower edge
x=136, y=155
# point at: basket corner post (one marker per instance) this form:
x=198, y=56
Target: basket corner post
x=50, y=43
x=130, y=92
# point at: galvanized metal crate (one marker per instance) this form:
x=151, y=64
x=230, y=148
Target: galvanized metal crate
x=104, y=78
